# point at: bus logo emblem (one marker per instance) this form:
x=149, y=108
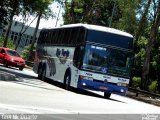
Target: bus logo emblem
x=62, y=55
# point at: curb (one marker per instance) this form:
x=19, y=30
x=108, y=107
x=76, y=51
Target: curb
x=28, y=67
x=7, y=76
x=144, y=98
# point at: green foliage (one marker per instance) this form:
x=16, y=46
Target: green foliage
x=128, y=21
x=140, y=51
x=5, y=10
x=153, y=86
x=93, y=12
x=9, y=44
x=39, y=7
x=25, y=53
x=136, y=81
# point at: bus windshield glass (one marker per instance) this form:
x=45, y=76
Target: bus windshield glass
x=110, y=39
x=107, y=60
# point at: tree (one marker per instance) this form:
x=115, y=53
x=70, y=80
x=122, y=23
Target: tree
x=143, y=21
x=128, y=21
x=42, y=10
x=14, y=9
x=90, y=11
x=10, y=43
x=23, y=30
x=4, y=14
x=151, y=43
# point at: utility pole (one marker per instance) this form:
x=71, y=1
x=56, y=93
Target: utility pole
x=113, y=10
x=60, y=6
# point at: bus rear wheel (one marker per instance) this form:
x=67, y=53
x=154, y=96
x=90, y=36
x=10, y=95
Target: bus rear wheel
x=40, y=73
x=67, y=80
x=44, y=73
x=107, y=95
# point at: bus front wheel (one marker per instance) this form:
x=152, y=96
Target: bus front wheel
x=67, y=80
x=43, y=73
x=107, y=95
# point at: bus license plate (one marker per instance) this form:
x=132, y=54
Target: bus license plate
x=103, y=88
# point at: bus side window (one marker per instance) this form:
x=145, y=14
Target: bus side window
x=66, y=36
x=81, y=35
x=44, y=38
x=59, y=37
x=52, y=37
x=48, y=37
x=56, y=37
x=74, y=36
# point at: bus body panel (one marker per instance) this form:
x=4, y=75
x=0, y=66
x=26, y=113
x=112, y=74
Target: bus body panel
x=102, y=82
x=56, y=50
x=57, y=60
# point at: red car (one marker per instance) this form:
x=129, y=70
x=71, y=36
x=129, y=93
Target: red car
x=9, y=57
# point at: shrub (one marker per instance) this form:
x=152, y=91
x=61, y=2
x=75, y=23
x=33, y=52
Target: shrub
x=153, y=87
x=136, y=81
x=9, y=44
x=25, y=53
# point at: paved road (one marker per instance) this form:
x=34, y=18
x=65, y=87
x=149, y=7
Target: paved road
x=33, y=96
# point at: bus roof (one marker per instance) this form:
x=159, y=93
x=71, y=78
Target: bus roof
x=99, y=28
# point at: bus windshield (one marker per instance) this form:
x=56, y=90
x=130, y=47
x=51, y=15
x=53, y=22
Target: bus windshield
x=107, y=60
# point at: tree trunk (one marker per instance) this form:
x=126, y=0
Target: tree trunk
x=18, y=41
x=22, y=31
x=152, y=38
x=158, y=81
x=8, y=30
x=15, y=5
x=34, y=37
x=142, y=21
x=72, y=17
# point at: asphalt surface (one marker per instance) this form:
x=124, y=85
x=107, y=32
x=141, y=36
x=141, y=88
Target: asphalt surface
x=34, y=89
x=7, y=76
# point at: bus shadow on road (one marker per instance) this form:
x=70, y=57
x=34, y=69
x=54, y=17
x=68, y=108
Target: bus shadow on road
x=12, y=70
x=55, y=83
x=79, y=91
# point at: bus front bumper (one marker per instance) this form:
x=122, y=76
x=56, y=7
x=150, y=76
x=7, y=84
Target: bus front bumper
x=103, y=87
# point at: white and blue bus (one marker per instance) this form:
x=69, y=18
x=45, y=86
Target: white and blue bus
x=86, y=56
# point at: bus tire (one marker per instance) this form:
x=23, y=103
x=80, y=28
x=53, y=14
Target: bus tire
x=43, y=73
x=67, y=80
x=40, y=72
x=107, y=95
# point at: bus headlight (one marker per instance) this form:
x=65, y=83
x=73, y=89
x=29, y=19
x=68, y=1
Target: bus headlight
x=122, y=90
x=86, y=78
